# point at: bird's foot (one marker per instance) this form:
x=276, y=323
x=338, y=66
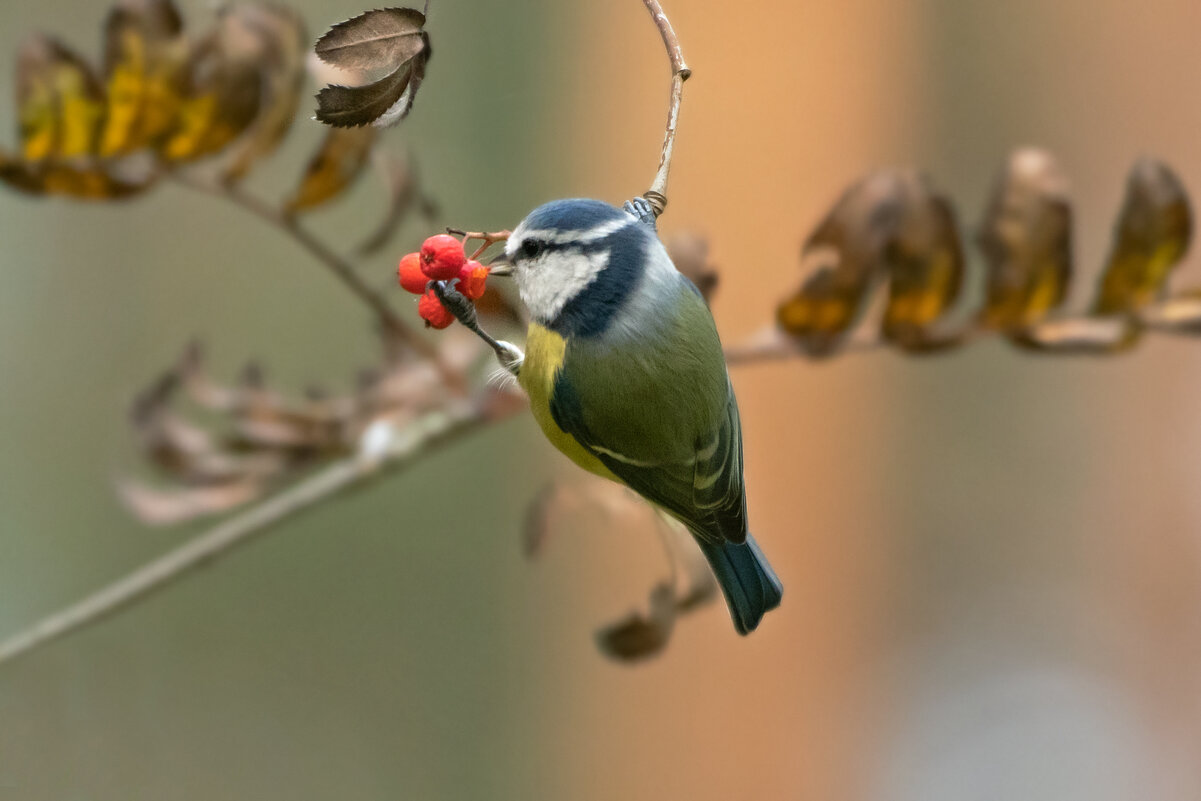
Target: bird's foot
x=509, y=356
x=641, y=210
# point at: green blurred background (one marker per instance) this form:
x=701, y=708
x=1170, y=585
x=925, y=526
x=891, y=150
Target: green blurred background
x=991, y=559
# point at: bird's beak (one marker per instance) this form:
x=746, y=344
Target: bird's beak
x=501, y=266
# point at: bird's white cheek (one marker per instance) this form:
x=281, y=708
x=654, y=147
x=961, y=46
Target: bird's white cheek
x=549, y=283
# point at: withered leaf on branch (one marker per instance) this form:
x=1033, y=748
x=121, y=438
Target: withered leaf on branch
x=641, y=636
x=145, y=75
x=839, y=263
x=1179, y=314
x=925, y=266
x=387, y=40
x=889, y=225
x=224, y=92
x=250, y=441
x=333, y=169
x=382, y=104
x=1150, y=238
x=380, y=39
x=283, y=37
x=690, y=254
x=85, y=181
x=60, y=102
x=1026, y=238
x=404, y=192
x=165, y=507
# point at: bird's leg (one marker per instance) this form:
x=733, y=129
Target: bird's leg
x=641, y=210
x=509, y=356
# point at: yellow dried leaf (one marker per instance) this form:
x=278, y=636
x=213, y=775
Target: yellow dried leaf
x=1179, y=314
x=224, y=91
x=59, y=101
x=890, y=225
x=1026, y=238
x=83, y=181
x=822, y=311
x=1150, y=238
x=925, y=266
x=334, y=167
x=144, y=60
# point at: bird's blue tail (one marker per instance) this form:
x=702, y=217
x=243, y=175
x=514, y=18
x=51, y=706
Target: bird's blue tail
x=747, y=580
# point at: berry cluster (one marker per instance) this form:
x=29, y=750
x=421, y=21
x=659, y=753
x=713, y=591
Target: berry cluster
x=441, y=258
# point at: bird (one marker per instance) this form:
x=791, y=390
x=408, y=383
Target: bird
x=626, y=376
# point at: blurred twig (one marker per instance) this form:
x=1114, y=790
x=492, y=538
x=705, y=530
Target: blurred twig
x=382, y=449
x=341, y=268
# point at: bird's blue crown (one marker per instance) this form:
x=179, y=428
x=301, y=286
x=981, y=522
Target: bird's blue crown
x=584, y=228
x=573, y=214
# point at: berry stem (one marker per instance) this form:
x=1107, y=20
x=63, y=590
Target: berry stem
x=487, y=240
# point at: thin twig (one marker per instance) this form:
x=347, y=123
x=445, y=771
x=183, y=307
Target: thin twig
x=383, y=450
x=657, y=194
x=341, y=269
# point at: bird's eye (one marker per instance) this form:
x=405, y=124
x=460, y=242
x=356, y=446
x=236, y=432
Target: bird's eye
x=530, y=249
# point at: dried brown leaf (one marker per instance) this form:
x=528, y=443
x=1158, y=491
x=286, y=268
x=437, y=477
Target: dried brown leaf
x=1180, y=314
x=925, y=264
x=1151, y=236
x=383, y=39
x=382, y=104
x=334, y=168
x=889, y=225
x=690, y=253
x=82, y=180
x=282, y=72
x=1026, y=238
x=641, y=636
x=225, y=90
x=60, y=102
x=162, y=507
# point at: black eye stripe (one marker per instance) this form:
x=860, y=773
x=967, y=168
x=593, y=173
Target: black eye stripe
x=530, y=248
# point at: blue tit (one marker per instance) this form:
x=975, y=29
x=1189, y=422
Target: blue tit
x=626, y=376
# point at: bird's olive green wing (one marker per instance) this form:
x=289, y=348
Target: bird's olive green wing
x=699, y=483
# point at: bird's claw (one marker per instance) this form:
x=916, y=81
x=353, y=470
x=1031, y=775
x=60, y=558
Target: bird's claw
x=641, y=210
x=509, y=356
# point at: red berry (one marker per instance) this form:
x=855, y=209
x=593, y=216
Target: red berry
x=473, y=279
x=442, y=257
x=410, y=275
x=433, y=312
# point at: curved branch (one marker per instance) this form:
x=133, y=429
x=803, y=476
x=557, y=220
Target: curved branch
x=657, y=194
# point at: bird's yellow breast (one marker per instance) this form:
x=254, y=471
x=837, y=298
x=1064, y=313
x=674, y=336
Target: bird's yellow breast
x=545, y=352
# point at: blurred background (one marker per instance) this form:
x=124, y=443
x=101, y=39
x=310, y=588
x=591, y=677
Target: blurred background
x=991, y=559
